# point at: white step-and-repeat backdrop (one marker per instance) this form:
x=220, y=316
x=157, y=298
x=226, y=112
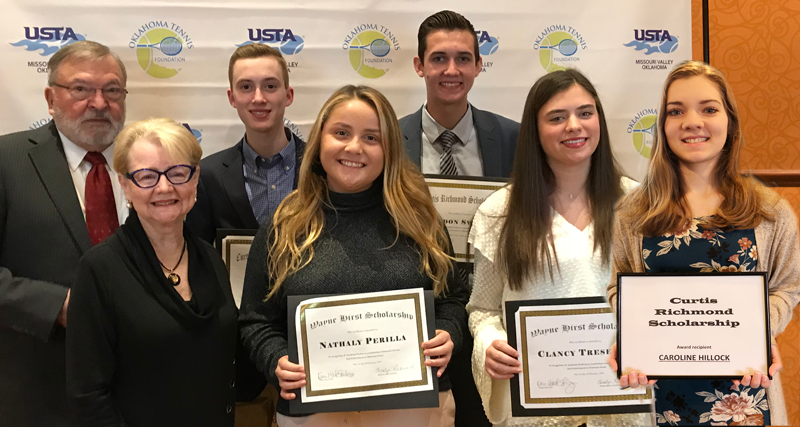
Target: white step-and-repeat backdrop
x=625, y=47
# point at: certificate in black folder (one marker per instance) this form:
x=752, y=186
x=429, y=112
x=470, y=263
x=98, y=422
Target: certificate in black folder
x=418, y=399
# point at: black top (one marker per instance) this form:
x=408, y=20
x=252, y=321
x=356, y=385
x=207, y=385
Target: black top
x=137, y=353
x=354, y=254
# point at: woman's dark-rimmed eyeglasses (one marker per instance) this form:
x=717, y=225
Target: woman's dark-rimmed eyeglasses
x=148, y=178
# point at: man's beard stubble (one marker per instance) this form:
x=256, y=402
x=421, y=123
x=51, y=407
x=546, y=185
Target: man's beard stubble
x=78, y=134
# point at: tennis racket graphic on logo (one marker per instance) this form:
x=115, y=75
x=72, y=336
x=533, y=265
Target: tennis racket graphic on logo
x=170, y=46
x=378, y=47
x=566, y=47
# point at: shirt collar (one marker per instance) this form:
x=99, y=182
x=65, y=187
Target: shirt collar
x=75, y=154
x=288, y=158
x=433, y=129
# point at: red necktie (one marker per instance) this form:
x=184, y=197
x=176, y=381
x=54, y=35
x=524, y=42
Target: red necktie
x=101, y=209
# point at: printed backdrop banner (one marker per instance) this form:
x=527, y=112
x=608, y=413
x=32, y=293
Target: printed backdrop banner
x=176, y=54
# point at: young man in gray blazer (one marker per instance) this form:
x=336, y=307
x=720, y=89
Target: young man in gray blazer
x=58, y=196
x=448, y=135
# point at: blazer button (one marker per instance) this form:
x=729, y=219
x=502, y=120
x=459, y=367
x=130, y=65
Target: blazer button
x=234, y=361
x=228, y=409
x=233, y=383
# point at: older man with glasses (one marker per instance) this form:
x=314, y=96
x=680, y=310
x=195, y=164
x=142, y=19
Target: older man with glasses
x=59, y=195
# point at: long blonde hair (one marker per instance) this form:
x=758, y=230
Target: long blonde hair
x=658, y=206
x=299, y=219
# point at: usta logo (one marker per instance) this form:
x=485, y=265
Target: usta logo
x=50, y=33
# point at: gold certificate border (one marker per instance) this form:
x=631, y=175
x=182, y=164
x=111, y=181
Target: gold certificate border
x=523, y=316
x=228, y=244
x=363, y=300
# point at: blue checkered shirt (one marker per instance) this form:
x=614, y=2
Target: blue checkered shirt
x=268, y=181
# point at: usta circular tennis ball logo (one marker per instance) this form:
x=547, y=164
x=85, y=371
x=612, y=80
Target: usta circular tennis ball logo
x=370, y=48
x=160, y=48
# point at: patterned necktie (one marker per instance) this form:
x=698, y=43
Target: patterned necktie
x=447, y=166
x=101, y=209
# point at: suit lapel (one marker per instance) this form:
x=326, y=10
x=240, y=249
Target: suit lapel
x=233, y=181
x=412, y=131
x=299, y=151
x=486, y=127
x=51, y=166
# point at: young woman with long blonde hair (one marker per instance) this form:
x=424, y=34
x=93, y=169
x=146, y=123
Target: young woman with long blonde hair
x=695, y=212
x=361, y=220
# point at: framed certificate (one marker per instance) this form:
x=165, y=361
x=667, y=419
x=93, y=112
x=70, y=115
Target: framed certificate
x=563, y=346
x=234, y=247
x=362, y=351
x=456, y=199
x=705, y=325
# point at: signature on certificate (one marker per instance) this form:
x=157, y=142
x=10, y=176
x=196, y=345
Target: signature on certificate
x=392, y=369
x=565, y=382
x=336, y=373
x=608, y=383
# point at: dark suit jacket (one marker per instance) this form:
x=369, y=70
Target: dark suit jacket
x=42, y=236
x=497, y=139
x=221, y=194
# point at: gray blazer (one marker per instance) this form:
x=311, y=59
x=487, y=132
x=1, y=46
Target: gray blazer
x=42, y=236
x=497, y=140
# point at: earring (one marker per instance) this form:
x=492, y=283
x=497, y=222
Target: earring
x=129, y=204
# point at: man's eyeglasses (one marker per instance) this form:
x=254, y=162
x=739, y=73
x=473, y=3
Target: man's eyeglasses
x=148, y=178
x=81, y=92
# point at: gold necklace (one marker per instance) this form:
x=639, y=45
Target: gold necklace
x=173, y=276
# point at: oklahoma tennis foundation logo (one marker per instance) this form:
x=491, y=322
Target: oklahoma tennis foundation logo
x=293, y=127
x=39, y=123
x=370, y=49
x=649, y=42
x=47, y=39
x=487, y=46
x=558, y=47
x=643, y=129
x=160, y=48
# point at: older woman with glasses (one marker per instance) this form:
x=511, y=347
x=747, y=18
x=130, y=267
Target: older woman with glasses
x=152, y=323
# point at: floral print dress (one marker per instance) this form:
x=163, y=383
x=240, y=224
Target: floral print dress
x=705, y=402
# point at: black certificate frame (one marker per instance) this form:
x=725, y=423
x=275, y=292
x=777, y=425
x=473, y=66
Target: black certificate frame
x=768, y=346
x=517, y=410
x=420, y=399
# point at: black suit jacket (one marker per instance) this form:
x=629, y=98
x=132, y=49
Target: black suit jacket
x=42, y=236
x=497, y=140
x=221, y=194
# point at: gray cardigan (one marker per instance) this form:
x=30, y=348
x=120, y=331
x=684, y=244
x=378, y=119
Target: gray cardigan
x=779, y=256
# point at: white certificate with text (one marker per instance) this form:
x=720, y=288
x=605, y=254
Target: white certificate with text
x=456, y=199
x=235, y=250
x=363, y=345
x=563, y=348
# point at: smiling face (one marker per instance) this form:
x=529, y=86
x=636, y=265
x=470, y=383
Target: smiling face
x=696, y=124
x=449, y=67
x=259, y=93
x=351, y=151
x=165, y=203
x=94, y=122
x=569, y=127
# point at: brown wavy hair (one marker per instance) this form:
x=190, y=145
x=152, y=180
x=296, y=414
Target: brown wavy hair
x=526, y=239
x=659, y=205
x=299, y=219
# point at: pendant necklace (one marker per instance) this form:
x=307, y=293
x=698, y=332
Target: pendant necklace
x=172, y=276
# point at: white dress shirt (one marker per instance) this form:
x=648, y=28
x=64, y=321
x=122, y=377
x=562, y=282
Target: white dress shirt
x=467, y=154
x=79, y=168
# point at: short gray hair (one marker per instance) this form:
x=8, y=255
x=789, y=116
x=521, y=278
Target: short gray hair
x=81, y=50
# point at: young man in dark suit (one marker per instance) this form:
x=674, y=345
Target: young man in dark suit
x=242, y=186
x=59, y=195
x=448, y=135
